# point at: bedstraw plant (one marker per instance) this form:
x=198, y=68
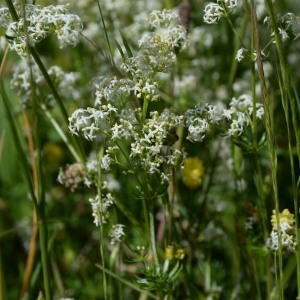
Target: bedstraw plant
x=158, y=145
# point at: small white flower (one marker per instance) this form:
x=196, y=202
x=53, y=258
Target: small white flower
x=230, y=4
x=212, y=13
x=100, y=208
x=227, y=114
x=254, y=56
x=287, y=241
x=162, y=18
x=105, y=162
x=92, y=165
x=284, y=35
x=240, y=54
x=117, y=233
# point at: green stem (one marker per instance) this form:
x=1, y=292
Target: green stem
x=145, y=108
x=138, y=181
x=152, y=235
x=237, y=46
x=99, y=191
x=106, y=35
x=18, y=144
x=270, y=137
x=12, y=10
x=288, y=104
x=43, y=237
x=39, y=206
x=128, y=283
x=41, y=216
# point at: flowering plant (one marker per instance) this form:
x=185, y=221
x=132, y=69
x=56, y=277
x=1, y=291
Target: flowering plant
x=155, y=140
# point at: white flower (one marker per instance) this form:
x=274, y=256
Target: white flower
x=230, y=4
x=117, y=233
x=100, y=208
x=162, y=18
x=254, y=56
x=92, y=165
x=105, y=162
x=240, y=54
x=284, y=35
x=4, y=16
x=227, y=113
x=42, y=21
x=287, y=241
x=212, y=13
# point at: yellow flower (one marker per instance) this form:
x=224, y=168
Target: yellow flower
x=192, y=173
x=284, y=217
x=175, y=251
x=170, y=252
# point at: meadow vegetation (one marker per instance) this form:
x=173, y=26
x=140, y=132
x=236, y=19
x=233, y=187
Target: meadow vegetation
x=149, y=149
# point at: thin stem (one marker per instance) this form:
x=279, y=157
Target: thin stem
x=99, y=192
x=106, y=35
x=288, y=104
x=32, y=247
x=145, y=109
x=18, y=143
x=152, y=235
x=270, y=135
x=138, y=181
x=43, y=235
x=128, y=283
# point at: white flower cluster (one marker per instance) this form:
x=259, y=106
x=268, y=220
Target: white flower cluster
x=239, y=114
x=117, y=233
x=73, y=176
x=38, y=23
x=287, y=240
x=100, y=208
x=154, y=145
x=235, y=118
x=113, y=116
x=24, y=75
x=4, y=17
x=214, y=11
x=156, y=52
x=240, y=54
x=198, y=120
x=100, y=212
x=167, y=29
x=162, y=18
x=105, y=119
x=65, y=82
x=80, y=174
x=90, y=122
x=283, y=231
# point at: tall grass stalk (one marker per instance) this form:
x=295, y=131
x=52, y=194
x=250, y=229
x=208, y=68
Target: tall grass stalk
x=271, y=142
x=38, y=204
x=288, y=101
x=33, y=239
